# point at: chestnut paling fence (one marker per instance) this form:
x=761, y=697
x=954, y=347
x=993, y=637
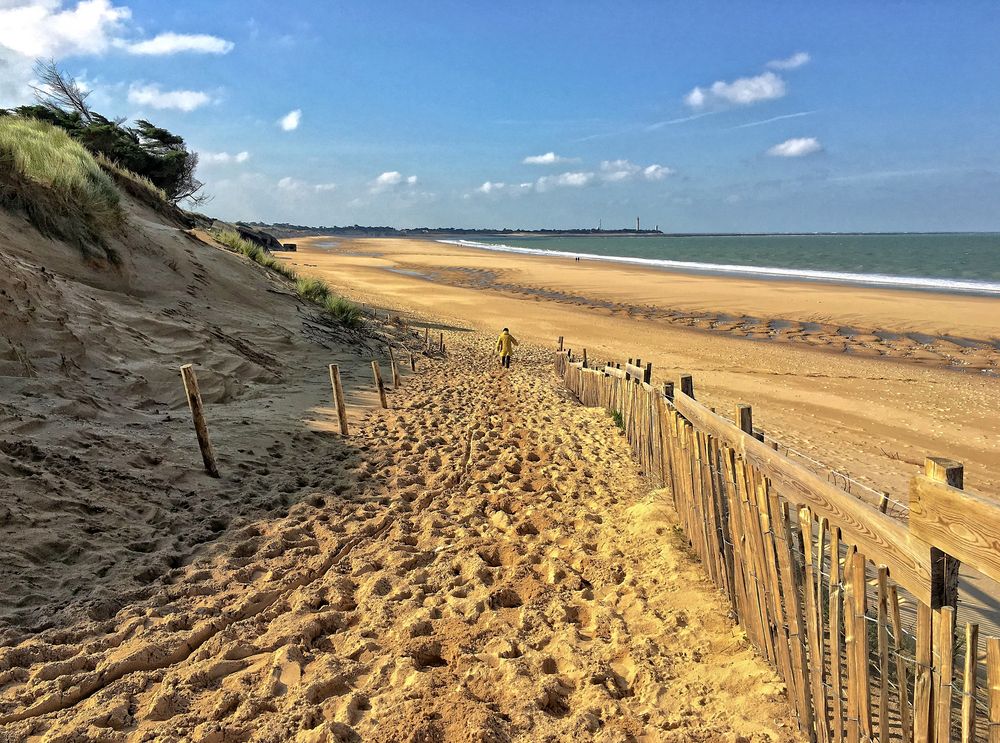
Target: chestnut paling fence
x=853, y=608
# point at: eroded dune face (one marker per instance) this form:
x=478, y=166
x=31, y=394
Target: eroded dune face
x=483, y=563
x=99, y=473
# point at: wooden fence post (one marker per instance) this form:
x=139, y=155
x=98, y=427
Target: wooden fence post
x=647, y=376
x=338, y=397
x=744, y=417
x=413, y=362
x=378, y=384
x=393, y=369
x=969, y=683
x=993, y=686
x=441, y=343
x=560, y=343
x=585, y=358
x=668, y=390
x=198, y=413
x=427, y=339
x=944, y=601
x=687, y=385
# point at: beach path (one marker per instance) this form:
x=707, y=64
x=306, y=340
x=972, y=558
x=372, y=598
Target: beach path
x=494, y=568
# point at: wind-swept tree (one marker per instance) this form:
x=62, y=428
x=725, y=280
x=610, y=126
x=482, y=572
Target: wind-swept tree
x=145, y=149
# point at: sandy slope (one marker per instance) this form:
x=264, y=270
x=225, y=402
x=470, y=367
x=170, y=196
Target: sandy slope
x=492, y=568
x=101, y=488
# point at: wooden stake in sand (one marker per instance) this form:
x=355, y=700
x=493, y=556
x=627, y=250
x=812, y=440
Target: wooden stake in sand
x=687, y=385
x=338, y=397
x=378, y=384
x=427, y=338
x=393, y=369
x=441, y=343
x=560, y=343
x=198, y=413
x=413, y=362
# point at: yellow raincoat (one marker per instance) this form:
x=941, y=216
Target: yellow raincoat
x=504, y=344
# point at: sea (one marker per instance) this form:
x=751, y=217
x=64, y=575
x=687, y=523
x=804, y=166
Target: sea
x=966, y=263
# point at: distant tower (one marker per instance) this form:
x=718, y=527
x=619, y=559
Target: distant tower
x=636, y=224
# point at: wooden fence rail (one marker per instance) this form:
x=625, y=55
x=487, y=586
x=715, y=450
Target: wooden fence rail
x=817, y=577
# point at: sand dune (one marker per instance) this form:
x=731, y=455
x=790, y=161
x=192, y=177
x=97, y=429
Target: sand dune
x=100, y=484
x=492, y=568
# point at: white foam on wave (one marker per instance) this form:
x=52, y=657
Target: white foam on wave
x=989, y=288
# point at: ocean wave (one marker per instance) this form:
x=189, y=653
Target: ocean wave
x=963, y=286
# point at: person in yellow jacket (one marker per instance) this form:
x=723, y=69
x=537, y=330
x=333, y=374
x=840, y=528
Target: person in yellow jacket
x=504, y=345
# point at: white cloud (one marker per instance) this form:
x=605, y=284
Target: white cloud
x=615, y=171
x=223, y=158
x=42, y=28
x=390, y=180
x=181, y=100
x=290, y=121
x=564, y=180
x=171, y=43
x=387, y=180
x=288, y=183
x=549, y=158
x=741, y=92
x=796, y=147
x=15, y=78
x=495, y=187
x=796, y=60
x=656, y=172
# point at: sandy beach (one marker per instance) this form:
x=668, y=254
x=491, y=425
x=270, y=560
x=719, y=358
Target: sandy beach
x=865, y=381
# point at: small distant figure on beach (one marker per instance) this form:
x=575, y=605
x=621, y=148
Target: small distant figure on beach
x=505, y=343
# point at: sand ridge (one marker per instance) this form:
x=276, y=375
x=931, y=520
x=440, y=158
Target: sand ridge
x=492, y=569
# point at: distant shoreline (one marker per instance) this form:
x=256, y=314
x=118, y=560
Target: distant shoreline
x=284, y=231
x=874, y=280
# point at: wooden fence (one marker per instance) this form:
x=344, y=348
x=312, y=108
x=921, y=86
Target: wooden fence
x=853, y=608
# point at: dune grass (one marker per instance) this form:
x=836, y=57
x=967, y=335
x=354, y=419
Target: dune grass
x=311, y=289
x=57, y=184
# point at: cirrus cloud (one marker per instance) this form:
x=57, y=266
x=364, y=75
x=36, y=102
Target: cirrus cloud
x=796, y=147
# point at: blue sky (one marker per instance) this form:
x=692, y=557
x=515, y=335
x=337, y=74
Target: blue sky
x=696, y=116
